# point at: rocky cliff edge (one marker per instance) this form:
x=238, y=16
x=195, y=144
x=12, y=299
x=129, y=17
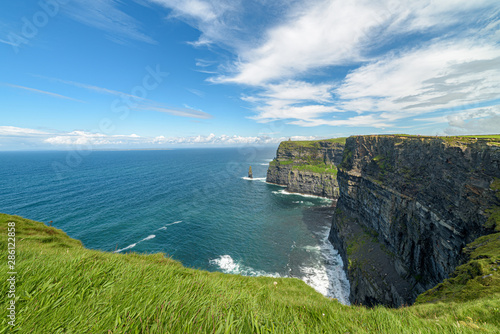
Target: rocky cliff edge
x=408, y=206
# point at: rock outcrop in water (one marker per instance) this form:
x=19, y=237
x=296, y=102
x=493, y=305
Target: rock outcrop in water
x=307, y=167
x=407, y=207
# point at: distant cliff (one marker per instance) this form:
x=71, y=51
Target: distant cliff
x=408, y=206
x=307, y=167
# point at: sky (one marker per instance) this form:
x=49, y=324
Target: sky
x=127, y=74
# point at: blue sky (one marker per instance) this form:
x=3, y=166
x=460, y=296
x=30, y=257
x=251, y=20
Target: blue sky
x=171, y=73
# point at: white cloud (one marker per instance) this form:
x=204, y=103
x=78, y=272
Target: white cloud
x=292, y=100
x=92, y=139
x=43, y=92
x=298, y=91
x=15, y=138
x=107, y=16
x=209, y=17
x=15, y=131
x=88, y=139
x=366, y=120
x=408, y=58
x=137, y=102
x=328, y=33
x=484, y=120
x=444, y=74
x=182, y=112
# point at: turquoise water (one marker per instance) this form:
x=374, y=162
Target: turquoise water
x=196, y=205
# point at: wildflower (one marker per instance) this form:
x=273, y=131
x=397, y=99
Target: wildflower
x=275, y=284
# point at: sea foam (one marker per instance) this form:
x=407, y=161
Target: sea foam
x=261, y=179
x=226, y=264
x=284, y=192
x=135, y=244
x=165, y=227
x=326, y=275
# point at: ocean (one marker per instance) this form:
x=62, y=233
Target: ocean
x=196, y=205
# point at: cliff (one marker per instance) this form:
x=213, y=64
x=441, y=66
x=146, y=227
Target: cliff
x=408, y=206
x=307, y=167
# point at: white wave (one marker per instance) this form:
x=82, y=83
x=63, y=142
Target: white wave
x=284, y=192
x=165, y=227
x=327, y=275
x=315, y=249
x=261, y=179
x=128, y=247
x=227, y=265
x=133, y=245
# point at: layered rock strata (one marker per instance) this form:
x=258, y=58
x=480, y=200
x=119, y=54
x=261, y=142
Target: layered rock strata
x=407, y=207
x=307, y=167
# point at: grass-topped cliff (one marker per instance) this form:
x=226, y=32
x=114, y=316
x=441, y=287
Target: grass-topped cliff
x=63, y=287
x=408, y=206
x=308, y=167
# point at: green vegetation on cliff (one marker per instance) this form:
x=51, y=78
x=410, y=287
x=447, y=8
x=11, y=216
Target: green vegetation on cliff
x=453, y=140
x=61, y=287
x=318, y=168
x=478, y=278
x=311, y=143
x=494, y=212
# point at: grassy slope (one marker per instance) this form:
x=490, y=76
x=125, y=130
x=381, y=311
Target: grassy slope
x=64, y=288
x=311, y=143
x=311, y=165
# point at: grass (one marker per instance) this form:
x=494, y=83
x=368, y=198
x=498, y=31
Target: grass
x=62, y=287
x=319, y=168
x=493, y=221
x=311, y=143
x=493, y=139
x=477, y=278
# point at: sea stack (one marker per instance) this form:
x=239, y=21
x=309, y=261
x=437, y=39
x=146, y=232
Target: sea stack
x=250, y=175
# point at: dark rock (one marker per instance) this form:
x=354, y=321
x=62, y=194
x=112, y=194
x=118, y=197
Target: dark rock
x=307, y=167
x=418, y=201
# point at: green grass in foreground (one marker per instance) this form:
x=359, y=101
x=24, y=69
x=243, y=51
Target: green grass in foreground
x=64, y=288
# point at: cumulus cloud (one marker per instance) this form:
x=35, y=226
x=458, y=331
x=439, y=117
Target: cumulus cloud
x=233, y=140
x=406, y=58
x=333, y=62
x=96, y=140
x=444, y=74
x=92, y=139
x=328, y=33
x=485, y=120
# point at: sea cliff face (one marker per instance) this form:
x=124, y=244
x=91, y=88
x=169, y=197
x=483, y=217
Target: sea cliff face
x=407, y=208
x=307, y=167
